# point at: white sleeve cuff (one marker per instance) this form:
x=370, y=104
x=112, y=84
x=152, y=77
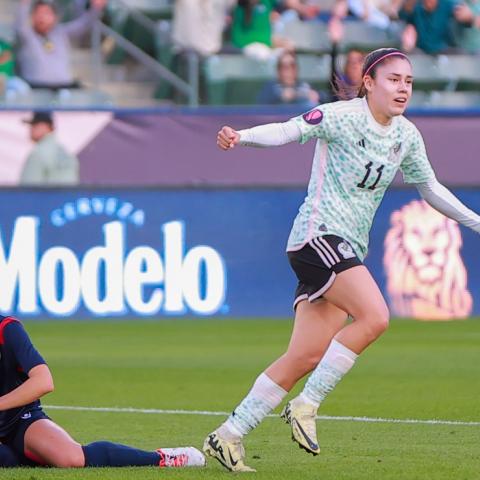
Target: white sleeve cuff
x=441, y=199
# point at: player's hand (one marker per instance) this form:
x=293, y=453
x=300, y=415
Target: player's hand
x=227, y=138
x=409, y=38
x=336, y=30
x=98, y=4
x=463, y=14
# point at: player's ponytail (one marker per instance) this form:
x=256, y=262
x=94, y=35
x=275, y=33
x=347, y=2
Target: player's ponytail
x=342, y=89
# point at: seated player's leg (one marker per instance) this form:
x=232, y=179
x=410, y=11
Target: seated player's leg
x=102, y=454
x=50, y=444
x=8, y=457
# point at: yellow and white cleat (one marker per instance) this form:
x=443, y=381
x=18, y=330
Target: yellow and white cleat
x=301, y=417
x=230, y=453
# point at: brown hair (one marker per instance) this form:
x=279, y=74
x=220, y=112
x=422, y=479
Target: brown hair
x=372, y=61
x=247, y=6
x=46, y=3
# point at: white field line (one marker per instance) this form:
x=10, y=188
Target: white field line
x=209, y=413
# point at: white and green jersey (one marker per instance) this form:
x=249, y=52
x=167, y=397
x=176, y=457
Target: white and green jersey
x=355, y=161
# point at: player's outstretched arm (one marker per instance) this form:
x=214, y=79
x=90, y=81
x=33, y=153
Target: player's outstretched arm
x=268, y=135
x=444, y=201
x=39, y=383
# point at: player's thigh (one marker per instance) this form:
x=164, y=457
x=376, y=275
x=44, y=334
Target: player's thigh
x=356, y=292
x=53, y=445
x=316, y=323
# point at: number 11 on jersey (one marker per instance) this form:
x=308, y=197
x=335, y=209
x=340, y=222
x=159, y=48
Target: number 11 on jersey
x=363, y=183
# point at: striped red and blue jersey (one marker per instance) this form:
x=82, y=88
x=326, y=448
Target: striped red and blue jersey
x=17, y=357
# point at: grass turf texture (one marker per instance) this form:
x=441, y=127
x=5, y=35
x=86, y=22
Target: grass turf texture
x=416, y=370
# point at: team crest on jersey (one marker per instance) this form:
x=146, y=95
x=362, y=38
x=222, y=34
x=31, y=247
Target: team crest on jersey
x=313, y=117
x=346, y=250
x=26, y=416
x=395, y=152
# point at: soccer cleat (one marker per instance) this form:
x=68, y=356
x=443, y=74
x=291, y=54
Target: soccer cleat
x=301, y=417
x=181, y=457
x=230, y=454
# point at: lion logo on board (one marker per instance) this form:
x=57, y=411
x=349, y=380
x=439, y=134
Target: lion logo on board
x=426, y=277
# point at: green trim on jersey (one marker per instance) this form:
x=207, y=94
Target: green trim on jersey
x=355, y=161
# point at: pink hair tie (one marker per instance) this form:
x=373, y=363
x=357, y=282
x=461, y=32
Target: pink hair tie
x=391, y=54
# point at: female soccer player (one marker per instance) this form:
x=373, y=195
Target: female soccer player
x=28, y=437
x=361, y=143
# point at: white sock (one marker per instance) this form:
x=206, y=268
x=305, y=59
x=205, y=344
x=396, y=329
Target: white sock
x=264, y=396
x=336, y=362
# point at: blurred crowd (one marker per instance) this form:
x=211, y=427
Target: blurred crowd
x=39, y=55
x=257, y=26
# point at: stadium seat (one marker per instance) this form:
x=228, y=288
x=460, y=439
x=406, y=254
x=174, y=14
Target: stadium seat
x=235, y=79
x=462, y=70
x=366, y=37
x=157, y=7
x=308, y=37
x=36, y=98
x=419, y=99
x=316, y=70
x=313, y=37
x=426, y=72
x=454, y=100
x=82, y=98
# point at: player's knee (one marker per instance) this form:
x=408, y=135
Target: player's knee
x=70, y=459
x=379, y=321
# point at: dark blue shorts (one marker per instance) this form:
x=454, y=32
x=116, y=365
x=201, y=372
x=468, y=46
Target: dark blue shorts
x=317, y=264
x=15, y=439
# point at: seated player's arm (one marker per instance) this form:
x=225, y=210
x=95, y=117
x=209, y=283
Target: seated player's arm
x=442, y=200
x=39, y=383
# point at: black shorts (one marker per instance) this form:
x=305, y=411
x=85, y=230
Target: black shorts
x=15, y=439
x=317, y=263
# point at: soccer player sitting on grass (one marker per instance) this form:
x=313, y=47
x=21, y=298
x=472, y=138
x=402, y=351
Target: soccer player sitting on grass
x=28, y=437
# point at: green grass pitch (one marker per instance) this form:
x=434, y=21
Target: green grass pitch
x=417, y=370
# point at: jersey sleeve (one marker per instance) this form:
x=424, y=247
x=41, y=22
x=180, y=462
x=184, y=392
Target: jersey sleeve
x=320, y=122
x=18, y=341
x=415, y=165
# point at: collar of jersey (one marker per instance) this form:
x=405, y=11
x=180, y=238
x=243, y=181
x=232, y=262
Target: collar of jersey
x=377, y=127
